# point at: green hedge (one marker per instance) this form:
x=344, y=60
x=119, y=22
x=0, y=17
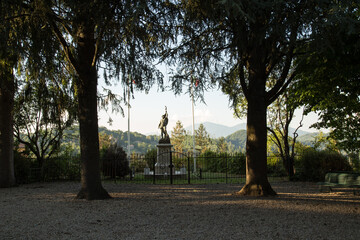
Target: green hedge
x=222, y=162
x=312, y=165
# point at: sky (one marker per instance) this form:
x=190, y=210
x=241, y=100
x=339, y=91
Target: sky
x=146, y=111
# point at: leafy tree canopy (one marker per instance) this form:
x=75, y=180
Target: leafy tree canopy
x=330, y=76
x=249, y=48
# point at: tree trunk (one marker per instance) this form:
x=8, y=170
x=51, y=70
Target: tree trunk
x=257, y=183
x=91, y=187
x=291, y=168
x=7, y=88
x=288, y=160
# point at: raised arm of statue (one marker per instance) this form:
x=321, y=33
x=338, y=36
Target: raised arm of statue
x=163, y=123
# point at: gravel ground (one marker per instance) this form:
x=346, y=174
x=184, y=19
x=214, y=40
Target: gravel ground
x=137, y=211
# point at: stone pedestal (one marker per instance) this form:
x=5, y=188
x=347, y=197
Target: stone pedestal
x=163, y=159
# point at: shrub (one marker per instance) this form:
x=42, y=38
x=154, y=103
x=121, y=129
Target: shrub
x=62, y=167
x=150, y=158
x=212, y=162
x=275, y=167
x=223, y=162
x=22, y=167
x=237, y=163
x=355, y=161
x=138, y=164
x=179, y=161
x=313, y=164
x=114, y=162
x=73, y=168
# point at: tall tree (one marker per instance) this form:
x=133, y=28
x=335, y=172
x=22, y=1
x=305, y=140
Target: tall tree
x=241, y=45
x=11, y=33
x=202, y=138
x=178, y=137
x=281, y=114
x=22, y=40
x=7, y=85
x=124, y=36
x=222, y=145
x=43, y=110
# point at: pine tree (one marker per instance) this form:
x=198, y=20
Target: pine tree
x=178, y=137
x=222, y=145
x=202, y=138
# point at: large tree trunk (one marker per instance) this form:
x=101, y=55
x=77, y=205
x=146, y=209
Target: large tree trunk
x=257, y=183
x=91, y=187
x=7, y=88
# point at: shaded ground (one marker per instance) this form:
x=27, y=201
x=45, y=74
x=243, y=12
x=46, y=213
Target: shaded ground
x=300, y=211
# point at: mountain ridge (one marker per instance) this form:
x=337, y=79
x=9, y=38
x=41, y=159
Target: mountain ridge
x=216, y=130
x=141, y=143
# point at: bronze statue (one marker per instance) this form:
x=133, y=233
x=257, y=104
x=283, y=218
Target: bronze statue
x=162, y=126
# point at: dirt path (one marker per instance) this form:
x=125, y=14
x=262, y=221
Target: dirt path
x=49, y=211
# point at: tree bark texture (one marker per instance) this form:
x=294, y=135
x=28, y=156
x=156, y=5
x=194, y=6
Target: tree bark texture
x=257, y=183
x=7, y=88
x=91, y=186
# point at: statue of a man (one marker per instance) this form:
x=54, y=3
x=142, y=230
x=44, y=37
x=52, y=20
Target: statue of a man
x=162, y=125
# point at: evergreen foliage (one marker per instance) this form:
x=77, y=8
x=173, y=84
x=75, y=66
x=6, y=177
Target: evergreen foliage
x=115, y=162
x=178, y=137
x=202, y=139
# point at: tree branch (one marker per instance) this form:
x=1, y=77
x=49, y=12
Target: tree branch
x=280, y=91
x=277, y=142
x=63, y=43
x=282, y=83
x=242, y=80
x=296, y=135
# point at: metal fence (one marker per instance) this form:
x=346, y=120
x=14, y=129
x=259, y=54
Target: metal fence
x=182, y=169
x=178, y=169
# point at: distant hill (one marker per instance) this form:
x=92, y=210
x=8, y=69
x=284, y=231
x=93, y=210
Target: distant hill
x=238, y=139
x=307, y=139
x=218, y=130
x=300, y=132
x=141, y=143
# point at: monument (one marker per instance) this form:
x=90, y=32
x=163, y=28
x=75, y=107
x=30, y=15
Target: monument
x=164, y=168
x=162, y=126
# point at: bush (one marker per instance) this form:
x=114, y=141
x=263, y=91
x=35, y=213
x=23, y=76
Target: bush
x=223, y=162
x=355, y=161
x=150, y=158
x=212, y=162
x=237, y=163
x=22, y=167
x=179, y=161
x=313, y=164
x=114, y=162
x=63, y=167
x=275, y=167
x=138, y=164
